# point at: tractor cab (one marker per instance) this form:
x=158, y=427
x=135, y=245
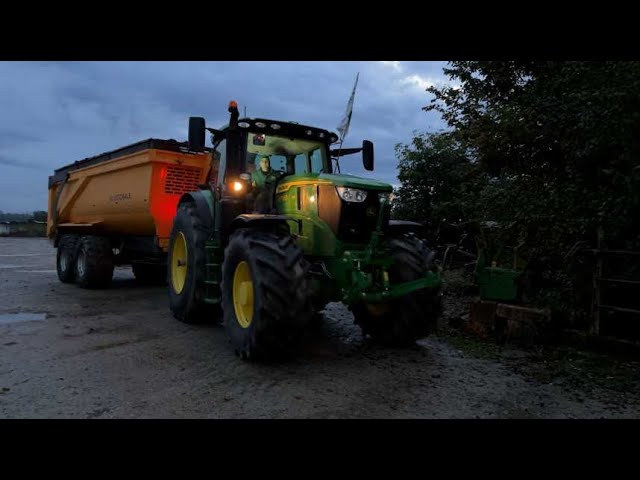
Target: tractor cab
x=269, y=153
x=287, y=149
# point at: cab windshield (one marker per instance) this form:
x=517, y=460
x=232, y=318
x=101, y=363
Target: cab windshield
x=292, y=156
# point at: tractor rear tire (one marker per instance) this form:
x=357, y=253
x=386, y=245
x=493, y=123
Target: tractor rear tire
x=66, y=258
x=94, y=262
x=402, y=321
x=265, y=294
x=150, y=273
x=187, y=267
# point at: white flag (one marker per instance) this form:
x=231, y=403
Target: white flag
x=343, y=128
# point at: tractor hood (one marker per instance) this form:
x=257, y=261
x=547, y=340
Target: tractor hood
x=343, y=180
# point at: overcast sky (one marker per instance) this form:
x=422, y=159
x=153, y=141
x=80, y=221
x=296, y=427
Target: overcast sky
x=52, y=114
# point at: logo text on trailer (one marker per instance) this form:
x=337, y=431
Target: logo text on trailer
x=118, y=197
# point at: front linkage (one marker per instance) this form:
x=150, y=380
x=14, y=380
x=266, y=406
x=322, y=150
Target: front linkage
x=365, y=272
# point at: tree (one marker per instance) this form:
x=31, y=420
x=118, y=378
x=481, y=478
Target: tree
x=562, y=137
x=438, y=180
x=40, y=216
x=539, y=144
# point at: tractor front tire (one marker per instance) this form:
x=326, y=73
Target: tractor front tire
x=187, y=266
x=265, y=294
x=402, y=321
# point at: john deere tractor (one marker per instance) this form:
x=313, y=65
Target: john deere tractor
x=265, y=249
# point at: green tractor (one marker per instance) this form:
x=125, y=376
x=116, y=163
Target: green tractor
x=268, y=246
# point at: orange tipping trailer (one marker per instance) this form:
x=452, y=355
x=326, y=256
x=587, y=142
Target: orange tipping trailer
x=118, y=208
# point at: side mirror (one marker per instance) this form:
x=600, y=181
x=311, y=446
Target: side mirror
x=367, y=155
x=196, y=134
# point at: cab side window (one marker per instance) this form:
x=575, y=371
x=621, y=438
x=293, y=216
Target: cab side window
x=278, y=163
x=316, y=161
x=301, y=163
x=252, y=159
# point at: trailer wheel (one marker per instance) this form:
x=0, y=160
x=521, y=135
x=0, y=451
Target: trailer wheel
x=94, y=262
x=265, y=293
x=150, y=273
x=187, y=267
x=66, y=258
x=404, y=320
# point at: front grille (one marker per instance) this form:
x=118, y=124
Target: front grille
x=351, y=222
x=181, y=179
x=358, y=220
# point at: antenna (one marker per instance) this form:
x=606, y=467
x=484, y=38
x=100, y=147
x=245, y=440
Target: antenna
x=245, y=112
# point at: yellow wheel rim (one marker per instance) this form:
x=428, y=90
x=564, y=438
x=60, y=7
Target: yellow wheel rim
x=243, y=294
x=179, y=263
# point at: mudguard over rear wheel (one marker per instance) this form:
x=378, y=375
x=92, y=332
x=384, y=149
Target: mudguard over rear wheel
x=265, y=299
x=404, y=320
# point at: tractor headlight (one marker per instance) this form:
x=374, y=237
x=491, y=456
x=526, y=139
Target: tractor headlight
x=352, y=194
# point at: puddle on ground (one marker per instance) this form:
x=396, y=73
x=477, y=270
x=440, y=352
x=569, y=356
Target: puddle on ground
x=21, y=317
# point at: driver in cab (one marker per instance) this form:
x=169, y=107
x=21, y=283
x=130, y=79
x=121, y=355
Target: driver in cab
x=262, y=175
x=263, y=181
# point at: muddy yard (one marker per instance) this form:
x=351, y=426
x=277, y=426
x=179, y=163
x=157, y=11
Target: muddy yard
x=118, y=353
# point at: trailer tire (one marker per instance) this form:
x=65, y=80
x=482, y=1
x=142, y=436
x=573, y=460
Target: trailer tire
x=66, y=258
x=94, y=262
x=187, y=288
x=265, y=294
x=402, y=321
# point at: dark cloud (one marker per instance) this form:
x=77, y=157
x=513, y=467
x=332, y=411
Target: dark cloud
x=55, y=113
x=18, y=163
x=9, y=138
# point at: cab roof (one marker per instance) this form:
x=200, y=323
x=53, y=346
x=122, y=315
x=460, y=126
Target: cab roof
x=275, y=127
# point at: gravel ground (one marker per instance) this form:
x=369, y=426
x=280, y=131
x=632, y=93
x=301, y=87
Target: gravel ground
x=66, y=352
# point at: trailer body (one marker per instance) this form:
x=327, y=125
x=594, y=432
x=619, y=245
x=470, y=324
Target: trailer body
x=127, y=197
